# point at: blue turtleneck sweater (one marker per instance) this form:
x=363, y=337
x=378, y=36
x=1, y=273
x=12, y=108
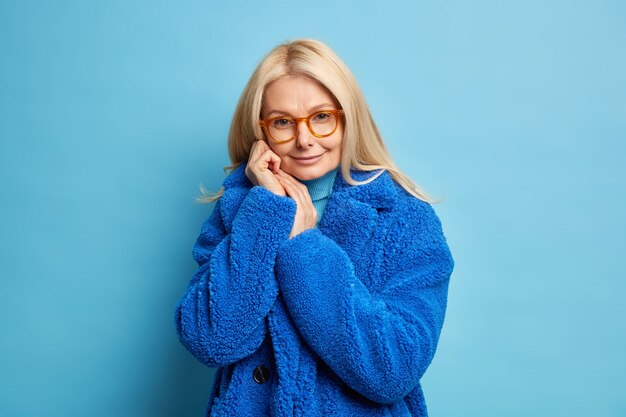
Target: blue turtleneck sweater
x=319, y=190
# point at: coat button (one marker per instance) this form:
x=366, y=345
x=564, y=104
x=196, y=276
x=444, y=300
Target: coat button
x=261, y=374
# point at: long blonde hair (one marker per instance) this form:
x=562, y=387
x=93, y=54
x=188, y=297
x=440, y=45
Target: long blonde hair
x=362, y=146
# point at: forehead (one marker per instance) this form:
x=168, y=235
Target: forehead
x=295, y=93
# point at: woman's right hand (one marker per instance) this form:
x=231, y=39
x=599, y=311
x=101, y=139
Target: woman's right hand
x=262, y=166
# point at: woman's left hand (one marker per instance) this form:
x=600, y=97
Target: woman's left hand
x=306, y=215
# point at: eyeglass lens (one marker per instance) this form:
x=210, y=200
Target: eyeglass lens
x=321, y=123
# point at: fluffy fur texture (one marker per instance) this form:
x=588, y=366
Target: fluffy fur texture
x=346, y=317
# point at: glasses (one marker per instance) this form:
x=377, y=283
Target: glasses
x=284, y=128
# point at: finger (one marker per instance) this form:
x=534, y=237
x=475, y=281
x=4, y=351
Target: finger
x=272, y=160
x=251, y=155
x=295, y=181
x=291, y=190
x=259, y=148
x=296, y=185
x=303, y=188
x=286, y=174
x=300, y=189
x=301, y=195
x=266, y=160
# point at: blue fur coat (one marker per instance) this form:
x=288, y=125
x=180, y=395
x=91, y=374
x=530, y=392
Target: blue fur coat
x=340, y=320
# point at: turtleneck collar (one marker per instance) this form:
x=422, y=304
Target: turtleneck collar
x=320, y=188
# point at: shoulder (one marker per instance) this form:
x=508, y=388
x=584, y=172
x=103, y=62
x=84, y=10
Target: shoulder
x=416, y=240
x=406, y=204
x=414, y=220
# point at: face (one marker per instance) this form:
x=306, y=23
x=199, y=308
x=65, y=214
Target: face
x=299, y=96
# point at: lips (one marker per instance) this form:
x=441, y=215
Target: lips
x=309, y=157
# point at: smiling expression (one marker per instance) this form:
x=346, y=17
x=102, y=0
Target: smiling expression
x=305, y=157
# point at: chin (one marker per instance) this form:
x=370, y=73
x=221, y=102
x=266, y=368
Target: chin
x=309, y=173
x=307, y=176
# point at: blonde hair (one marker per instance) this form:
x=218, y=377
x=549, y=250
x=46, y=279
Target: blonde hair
x=362, y=145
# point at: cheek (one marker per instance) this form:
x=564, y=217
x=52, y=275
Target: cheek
x=278, y=149
x=337, y=140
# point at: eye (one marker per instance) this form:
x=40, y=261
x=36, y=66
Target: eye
x=283, y=122
x=322, y=116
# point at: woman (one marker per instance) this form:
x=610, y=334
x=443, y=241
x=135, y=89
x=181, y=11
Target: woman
x=322, y=285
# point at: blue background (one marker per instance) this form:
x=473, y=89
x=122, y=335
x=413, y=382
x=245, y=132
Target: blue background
x=114, y=112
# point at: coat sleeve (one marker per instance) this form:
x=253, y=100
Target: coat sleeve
x=379, y=344
x=220, y=318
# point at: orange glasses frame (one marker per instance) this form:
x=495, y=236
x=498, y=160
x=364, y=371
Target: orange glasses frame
x=265, y=124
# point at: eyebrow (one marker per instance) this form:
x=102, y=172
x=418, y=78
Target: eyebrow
x=319, y=106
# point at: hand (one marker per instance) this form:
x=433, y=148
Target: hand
x=306, y=215
x=262, y=166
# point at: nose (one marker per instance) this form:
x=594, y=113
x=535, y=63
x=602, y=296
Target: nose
x=304, y=138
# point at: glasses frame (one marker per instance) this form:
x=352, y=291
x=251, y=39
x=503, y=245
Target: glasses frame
x=266, y=122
